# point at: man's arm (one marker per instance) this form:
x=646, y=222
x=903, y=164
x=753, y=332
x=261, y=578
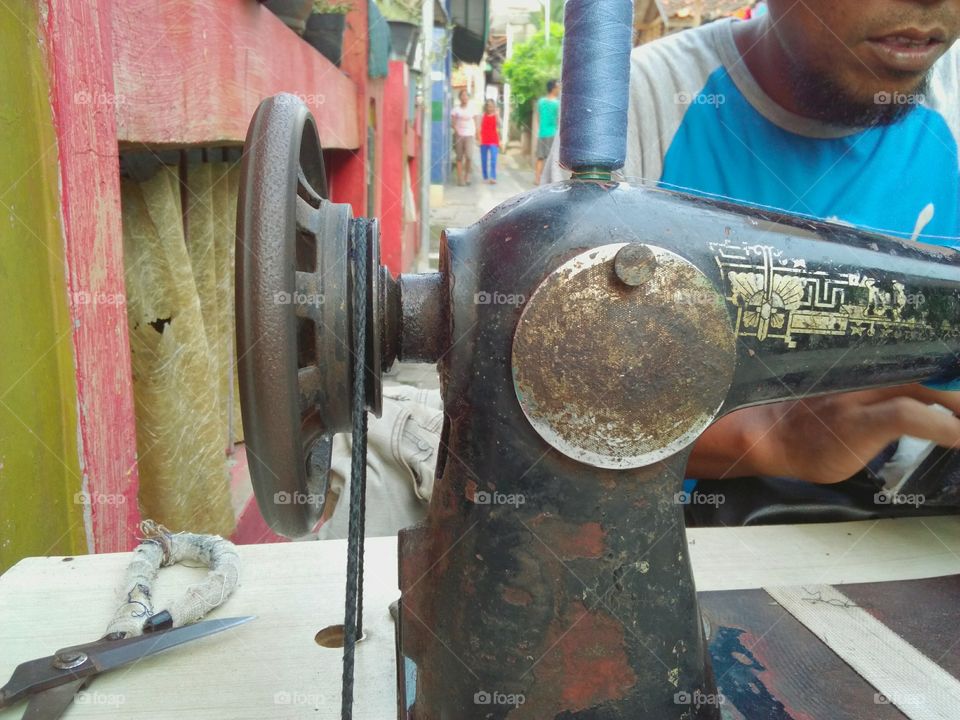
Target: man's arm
x=824, y=439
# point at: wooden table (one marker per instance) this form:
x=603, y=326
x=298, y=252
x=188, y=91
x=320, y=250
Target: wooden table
x=273, y=668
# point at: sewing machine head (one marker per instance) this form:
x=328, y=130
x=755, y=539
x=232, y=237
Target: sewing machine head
x=586, y=334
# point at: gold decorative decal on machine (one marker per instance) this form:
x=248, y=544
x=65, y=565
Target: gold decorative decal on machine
x=778, y=298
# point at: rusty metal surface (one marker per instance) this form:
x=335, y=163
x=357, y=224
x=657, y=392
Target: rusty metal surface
x=388, y=300
x=536, y=575
x=539, y=577
x=424, y=304
x=294, y=337
x=622, y=375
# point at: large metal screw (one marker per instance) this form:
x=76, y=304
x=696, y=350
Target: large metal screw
x=635, y=264
x=69, y=660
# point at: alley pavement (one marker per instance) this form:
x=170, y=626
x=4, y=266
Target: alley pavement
x=464, y=205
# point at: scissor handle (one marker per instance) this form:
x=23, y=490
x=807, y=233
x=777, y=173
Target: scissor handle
x=161, y=548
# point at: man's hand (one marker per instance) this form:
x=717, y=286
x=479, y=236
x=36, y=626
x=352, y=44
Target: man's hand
x=824, y=439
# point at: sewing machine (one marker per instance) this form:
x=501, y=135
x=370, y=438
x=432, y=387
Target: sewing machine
x=586, y=333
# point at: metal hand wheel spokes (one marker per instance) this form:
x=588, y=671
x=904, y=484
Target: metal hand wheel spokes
x=293, y=282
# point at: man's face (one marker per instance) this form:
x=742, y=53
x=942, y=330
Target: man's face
x=866, y=54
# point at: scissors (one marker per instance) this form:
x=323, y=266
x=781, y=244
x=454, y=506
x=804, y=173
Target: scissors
x=136, y=631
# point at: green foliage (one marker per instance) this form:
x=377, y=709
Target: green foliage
x=407, y=10
x=532, y=64
x=332, y=7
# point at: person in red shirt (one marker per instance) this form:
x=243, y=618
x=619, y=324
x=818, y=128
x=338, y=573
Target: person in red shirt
x=489, y=141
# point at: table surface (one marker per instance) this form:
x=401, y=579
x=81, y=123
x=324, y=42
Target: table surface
x=272, y=667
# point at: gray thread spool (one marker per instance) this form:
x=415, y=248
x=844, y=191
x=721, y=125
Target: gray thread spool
x=596, y=85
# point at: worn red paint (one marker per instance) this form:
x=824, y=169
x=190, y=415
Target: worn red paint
x=79, y=46
x=183, y=72
x=471, y=490
x=517, y=596
x=568, y=540
x=588, y=654
x=347, y=171
x=193, y=72
x=396, y=244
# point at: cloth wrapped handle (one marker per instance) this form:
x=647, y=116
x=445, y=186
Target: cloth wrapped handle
x=161, y=548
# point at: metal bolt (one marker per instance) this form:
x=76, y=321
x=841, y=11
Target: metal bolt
x=69, y=660
x=635, y=264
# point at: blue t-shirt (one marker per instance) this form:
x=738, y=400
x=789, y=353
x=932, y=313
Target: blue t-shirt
x=900, y=180
x=700, y=123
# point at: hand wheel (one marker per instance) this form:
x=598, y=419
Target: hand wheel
x=294, y=340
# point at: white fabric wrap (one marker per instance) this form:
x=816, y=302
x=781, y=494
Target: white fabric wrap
x=161, y=548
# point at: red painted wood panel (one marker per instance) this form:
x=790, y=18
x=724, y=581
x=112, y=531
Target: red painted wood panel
x=194, y=71
x=79, y=51
x=347, y=170
x=393, y=165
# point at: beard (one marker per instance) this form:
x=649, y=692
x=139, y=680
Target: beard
x=825, y=99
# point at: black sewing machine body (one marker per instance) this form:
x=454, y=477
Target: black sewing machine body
x=566, y=582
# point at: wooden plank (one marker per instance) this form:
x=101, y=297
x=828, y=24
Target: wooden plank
x=393, y=164
x=78, y=42
x=269, y=668
x=902, y=674
x=851, y=552
x=296, y=589
x=767, y=665
x=193, y=72
x=935, y=632
x=39, y=454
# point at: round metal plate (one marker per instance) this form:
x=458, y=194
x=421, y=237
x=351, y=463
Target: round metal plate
x=293, y=329
x=618, y=375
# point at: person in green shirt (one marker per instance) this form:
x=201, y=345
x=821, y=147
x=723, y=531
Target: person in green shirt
x=548, y=114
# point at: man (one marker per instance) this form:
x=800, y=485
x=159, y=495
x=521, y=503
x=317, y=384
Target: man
x=836, y=110
x=548, y=114
x=464, y=121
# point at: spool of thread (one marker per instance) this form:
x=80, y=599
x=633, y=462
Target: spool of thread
x=598, y=38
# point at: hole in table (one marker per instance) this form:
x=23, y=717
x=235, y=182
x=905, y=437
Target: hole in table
x=333, y=636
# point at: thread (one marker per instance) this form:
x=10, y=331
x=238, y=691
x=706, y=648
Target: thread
x=598, y=37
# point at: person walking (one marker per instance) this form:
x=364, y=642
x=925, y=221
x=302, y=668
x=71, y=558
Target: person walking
x=464, y=121
x=489, y=141
x=548, y=114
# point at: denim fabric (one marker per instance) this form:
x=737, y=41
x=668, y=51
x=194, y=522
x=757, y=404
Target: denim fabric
x=489, y=151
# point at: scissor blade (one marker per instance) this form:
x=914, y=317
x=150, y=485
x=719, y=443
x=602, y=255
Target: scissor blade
x=108, y=655
x=35, y=676
x=51, y=704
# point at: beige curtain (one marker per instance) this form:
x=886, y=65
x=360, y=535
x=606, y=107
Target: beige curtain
x=180, y=309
